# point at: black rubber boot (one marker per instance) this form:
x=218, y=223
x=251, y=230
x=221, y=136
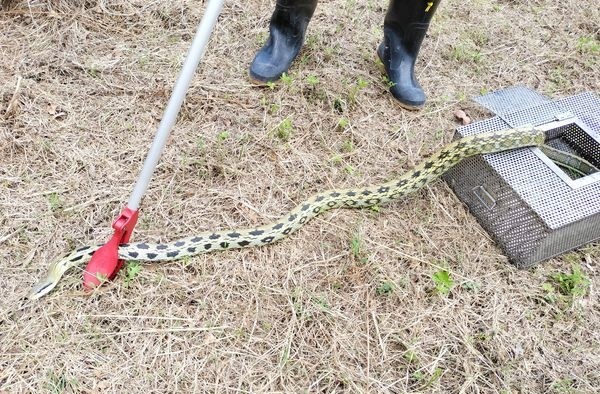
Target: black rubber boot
x=286, y=36
x=404, y=28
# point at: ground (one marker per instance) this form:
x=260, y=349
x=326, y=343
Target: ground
x=412, y=297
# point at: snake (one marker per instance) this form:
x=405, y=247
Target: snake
x=363, y=197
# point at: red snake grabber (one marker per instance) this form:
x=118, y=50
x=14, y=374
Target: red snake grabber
x=105, y=262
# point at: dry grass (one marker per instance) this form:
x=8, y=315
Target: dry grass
x=310, y=314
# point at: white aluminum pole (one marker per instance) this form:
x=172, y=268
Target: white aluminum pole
x=209, y=19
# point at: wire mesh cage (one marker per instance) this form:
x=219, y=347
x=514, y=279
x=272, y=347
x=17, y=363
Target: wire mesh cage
x=533, y=207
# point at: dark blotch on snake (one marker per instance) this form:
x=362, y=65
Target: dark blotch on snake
x=315, y=210
x=287, y=230
x=224, y=245
x=305, y=207
x=244, y=243
x=365, y=192
x=334, y=194
x=402, y=182
x=256, y=233
x=331, y=204
x=196, y=239
x=428, y=164
x=267, y=239
x=207, y=246
x=77, y=258
x=234, y=235
x=214, y=236
x=179, y=243
x=152, y=255
x=302, y=220
x=82, y=249
x=142, y=246
x=351, y=194
x=277, y=226
x=191, y=249
x=383, y=189
x=416, y=174
x=319, y=198
x=373, y=201
x=292, y=218
x=133, y=254
x=173, y=253
x=162, y=247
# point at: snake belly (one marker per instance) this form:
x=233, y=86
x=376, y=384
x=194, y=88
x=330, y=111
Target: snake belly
x=414, y=179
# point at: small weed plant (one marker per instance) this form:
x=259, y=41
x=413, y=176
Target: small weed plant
x=443, y=282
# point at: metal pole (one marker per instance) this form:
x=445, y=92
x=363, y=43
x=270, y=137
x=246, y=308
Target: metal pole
x=209, y=19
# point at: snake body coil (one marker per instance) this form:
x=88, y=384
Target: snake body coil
x=416, y=178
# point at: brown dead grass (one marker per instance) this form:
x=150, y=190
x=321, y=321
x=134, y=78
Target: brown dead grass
x=303, y=315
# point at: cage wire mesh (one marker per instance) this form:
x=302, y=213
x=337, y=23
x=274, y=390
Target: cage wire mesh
x=533, y=208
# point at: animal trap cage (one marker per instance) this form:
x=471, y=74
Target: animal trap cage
x=532, y=207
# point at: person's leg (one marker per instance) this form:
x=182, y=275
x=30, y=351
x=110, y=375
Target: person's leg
x=286, y=36
x=404, y=28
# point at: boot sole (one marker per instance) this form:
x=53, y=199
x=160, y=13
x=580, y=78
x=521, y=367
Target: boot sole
x=257, y=82
x=413, y=108
x=260, y=82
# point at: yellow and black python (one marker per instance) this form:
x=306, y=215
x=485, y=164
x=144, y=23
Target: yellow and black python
x=421, y=175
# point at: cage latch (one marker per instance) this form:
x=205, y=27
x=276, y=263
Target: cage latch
x=484, y=197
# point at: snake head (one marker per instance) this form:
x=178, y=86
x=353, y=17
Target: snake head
x=57, y=270
x=42, y=288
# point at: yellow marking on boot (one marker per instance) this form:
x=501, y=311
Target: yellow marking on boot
x=429, y=5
